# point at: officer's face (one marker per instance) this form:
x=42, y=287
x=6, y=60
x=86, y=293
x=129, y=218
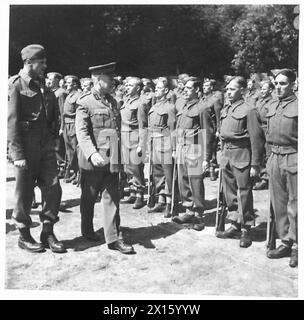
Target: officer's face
x=38, y=66
x=104, y=82
x=207, y=88
x=283, y=87
x=132, y=87
x=233, y=91
x=265, y=90
x=160, y=90
x=190, y=92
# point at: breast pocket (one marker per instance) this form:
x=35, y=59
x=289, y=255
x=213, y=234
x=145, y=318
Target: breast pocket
x=289, y=124
x=101, y=119
x=239, y=122
x=191, y=120
x=162, y=118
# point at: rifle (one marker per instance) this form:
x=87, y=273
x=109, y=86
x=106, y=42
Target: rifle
x=173, y=187
x=221, y=208
x=150, y=178
x=271, y=229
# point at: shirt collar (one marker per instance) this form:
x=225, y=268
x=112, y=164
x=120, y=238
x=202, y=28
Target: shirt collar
x=25, y=76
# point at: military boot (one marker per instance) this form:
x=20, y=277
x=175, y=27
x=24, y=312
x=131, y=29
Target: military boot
x=139, y=202
x=27, y=242
x=49, y=240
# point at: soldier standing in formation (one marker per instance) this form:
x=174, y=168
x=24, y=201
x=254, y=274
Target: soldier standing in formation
x=134, y=125
x=193, y=130
x=68, y=128
x=252, y=94
x=52, y=82
x=97, y=127
x=282, y=136
x=213, y=102
x=161, y=121
x=32, y=132
x=262, y=108
x=242, y=150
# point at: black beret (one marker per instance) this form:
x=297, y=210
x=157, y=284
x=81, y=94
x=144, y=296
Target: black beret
x=103, y=68
x=33, y=51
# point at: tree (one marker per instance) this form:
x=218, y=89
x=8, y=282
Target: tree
x=264, y=38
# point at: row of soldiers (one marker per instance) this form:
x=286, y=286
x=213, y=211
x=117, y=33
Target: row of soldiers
x=178, y=129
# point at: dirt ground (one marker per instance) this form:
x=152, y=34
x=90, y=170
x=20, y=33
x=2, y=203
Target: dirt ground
x=169, y=259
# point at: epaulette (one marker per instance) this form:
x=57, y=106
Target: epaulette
x=13, y=78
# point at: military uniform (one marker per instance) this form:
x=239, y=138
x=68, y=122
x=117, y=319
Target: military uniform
x=251, y=97
x=68, y=128
x=134, y=125
x=262, y=108
x=282, y=165
x=193, y=132
x=242, y=147
x=97, y=129
x=32, y=130
x=213, y=104
x=161, y=119
x=60, y=94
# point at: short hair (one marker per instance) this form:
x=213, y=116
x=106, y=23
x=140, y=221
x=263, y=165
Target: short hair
x=165, y=82
x=212, y=81
x=241, y=81
x=287, y=73
x=196, y=81
x=269, y=82
x=86, y=79
x=74, y=79
x=56, y=75
x=138, y=81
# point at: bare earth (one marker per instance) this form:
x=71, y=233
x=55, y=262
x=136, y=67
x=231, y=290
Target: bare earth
x=169, y=259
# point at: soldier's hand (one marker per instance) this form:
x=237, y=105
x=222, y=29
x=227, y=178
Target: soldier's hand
x=22, y=164
x=97, y=160
x=254, y=171
x=205, y=165
x=139, y=151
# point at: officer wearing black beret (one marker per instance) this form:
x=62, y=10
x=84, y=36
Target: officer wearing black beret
x=97, y=129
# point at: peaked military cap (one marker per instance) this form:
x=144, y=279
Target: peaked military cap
x=103, y=68
x=33, y=51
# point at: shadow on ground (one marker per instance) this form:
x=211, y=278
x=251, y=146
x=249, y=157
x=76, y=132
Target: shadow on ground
x=144, y=235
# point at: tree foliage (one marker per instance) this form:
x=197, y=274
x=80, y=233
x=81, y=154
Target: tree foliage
x=153, y=40
x=264, y=38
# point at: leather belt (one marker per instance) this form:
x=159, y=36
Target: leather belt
x=237, y=144
x=283, y=149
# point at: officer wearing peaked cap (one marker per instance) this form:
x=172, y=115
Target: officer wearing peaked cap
x=32, y=130
x=97, y=129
